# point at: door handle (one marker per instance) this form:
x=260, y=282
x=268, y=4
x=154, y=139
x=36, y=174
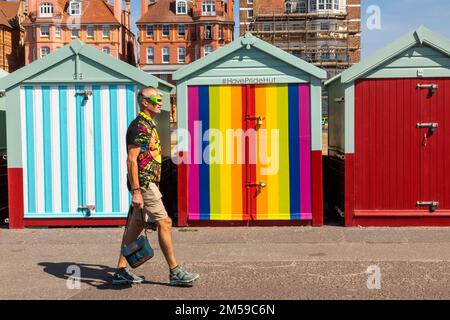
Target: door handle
x=431, y=87
x=88, y=209
x=431, y=204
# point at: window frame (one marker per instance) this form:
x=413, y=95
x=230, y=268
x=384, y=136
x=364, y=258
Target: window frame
x=47, y=27
x=58, y=31
x=72, y=35
x=108, y=49
x=50, y=8
x=152, y=55
x=108, y=35
x=184, y=54
x=40, y=52
x=181, y=4
x=149, y=26
x=168, y=30
x=204, y=49
x=208, y=7
x=90, y=27
x=72, y=9
x=167, y=54
x=211, y=35
x=184, y=31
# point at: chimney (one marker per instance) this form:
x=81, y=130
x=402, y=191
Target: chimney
x=127, y=14
x=118, y=10
x=144, y=7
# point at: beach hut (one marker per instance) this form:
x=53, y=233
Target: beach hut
x=66, y=119
x=249, y=138
x=389, y=129
x=3, y=165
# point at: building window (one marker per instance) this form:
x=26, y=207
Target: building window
x=165, y=55
x=181, y=7
x=220, y=31
x=45, y=31
x=313, y=5
x=165, y=30
x=208, y=49
x=324, y=26
x=181, y=30
x=75, y=8
x=208, y=31
x=58, y=31
x=45, y=51
x=106, y=31
x=329, y=4
x=150, y=55
x=336, y=5
x=208, y=8
x=302, y=7
x=250, y=13
x=249, y=1
x=266, y=27
x=46, y=10
x=90, y=31
x=278, y=27
x=75, y=32
x=106, y=50
x=149, y=31
x=181, y=55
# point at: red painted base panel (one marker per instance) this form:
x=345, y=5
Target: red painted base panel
x=400, y=222
x=253, y=223
x=73, y=222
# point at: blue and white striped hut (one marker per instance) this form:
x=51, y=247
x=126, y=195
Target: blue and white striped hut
x=66, y=119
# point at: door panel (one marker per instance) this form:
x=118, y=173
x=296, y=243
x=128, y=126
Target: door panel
x=387, y=144
x=74, y=150
x=435, y=148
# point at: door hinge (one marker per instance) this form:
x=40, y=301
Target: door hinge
x=432, y=205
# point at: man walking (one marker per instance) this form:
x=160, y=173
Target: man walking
x=144, y=173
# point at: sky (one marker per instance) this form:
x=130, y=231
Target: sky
x=398, y=17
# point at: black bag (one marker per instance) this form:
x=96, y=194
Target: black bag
x=140, y=250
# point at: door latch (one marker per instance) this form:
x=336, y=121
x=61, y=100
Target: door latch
x=84, y=93
x=431, y=204
x=88, y=209
x=431, y=87
x=258, y=185
x=259, y=120
x=432, y=127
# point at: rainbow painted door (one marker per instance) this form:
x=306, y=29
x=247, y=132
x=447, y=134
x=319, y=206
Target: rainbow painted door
x=249, y=152
x=75, y=151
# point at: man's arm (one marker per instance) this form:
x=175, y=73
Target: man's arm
x=133, y=175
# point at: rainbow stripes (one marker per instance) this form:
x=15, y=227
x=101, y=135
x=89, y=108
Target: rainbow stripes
x=217, y=173
x=75, y=150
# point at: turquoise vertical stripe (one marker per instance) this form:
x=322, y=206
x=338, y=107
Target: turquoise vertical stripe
x=114, y=148
x=47, y=140
x=131, y=111
x=80, y=145
x=31, y=168
x=97, y=105
x=63, y=149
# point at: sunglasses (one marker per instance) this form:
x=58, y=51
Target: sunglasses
x=157, y=100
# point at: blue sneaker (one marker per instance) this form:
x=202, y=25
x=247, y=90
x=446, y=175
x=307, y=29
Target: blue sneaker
x=180, y=277
x=125, y=276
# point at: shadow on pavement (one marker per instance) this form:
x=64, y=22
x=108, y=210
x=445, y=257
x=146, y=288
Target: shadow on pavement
x=97, y=276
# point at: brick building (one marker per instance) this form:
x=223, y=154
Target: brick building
x=326, y=33
x=12, y=34
x=173, y=33
x=103, y=24
x=246, y=14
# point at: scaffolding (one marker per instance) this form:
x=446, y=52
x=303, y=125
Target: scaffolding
x=322, y=38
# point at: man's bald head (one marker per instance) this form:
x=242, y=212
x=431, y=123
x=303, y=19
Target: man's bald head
x=147, y=92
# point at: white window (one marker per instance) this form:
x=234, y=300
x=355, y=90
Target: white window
x=181, y=55
x=149, y=31
x=181, y=7
x=75, y=32
x=165, y=30
x=90, y=31
x=208, y=49
x=58, y=31
x=165, y=55
x=46, y=10
x=181, y=30
x=321, y=4
x=45, y=51
x=150, y=55
x=329, y=4
x=250, y=13
x=336, y=5
x=106, y=50
x=106, y=31
x=208, y=8
x=45, y=31
x=75, y=7
x=208, y=31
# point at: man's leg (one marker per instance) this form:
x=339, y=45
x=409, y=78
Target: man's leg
x=165, y=241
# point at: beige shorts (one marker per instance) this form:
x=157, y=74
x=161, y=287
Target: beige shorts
x=153, y=208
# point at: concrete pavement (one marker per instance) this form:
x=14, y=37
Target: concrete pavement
x=234, y=263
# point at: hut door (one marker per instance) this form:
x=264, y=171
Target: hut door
x=74, y=160
x=280, y=180
x=435, y=145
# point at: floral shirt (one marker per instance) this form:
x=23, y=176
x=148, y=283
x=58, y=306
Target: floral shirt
x=139, y=133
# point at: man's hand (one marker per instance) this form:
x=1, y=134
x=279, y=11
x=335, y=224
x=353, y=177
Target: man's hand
x=137, y=201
